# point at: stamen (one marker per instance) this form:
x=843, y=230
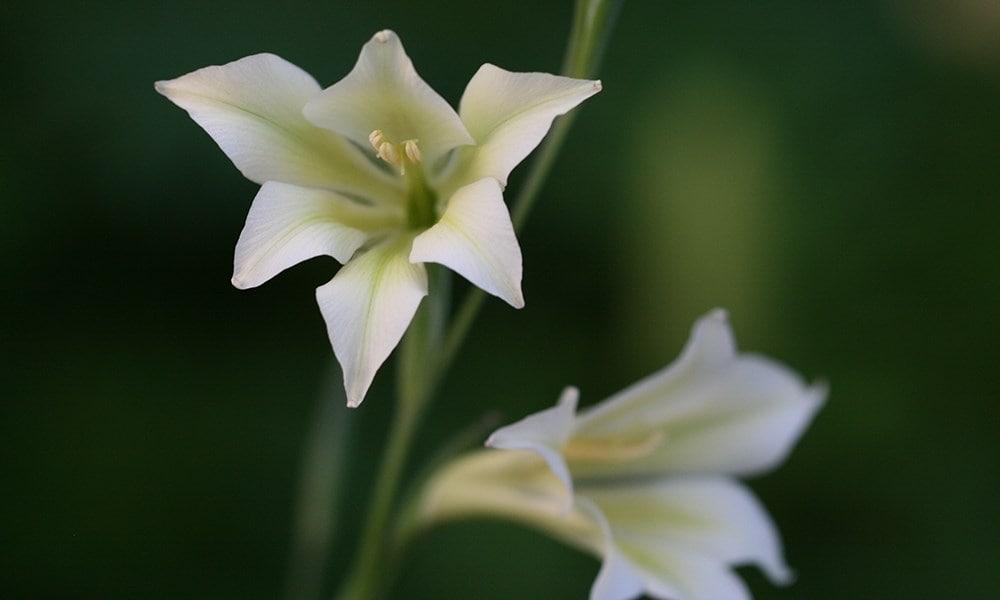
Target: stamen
x=412, y=151
x=612, y=450
x=397, y=155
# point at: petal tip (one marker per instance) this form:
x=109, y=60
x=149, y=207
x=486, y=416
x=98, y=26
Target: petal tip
x=384, y=36
x=782, y=575
x=818, y=392
x=720, y=315
x=356, y=392
x=569, y=396
x=598, y=86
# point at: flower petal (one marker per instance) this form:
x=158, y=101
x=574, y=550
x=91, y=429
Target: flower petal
x=475, y=238
x=672, y=573
x=718, y=412
x=367, y=308
x=545, y=433
x=384, y=92
x=288, y=224
x=710, y=348
x=515, y=484
x=252, y=108
x=715, y=517
x=751, y=418
x=508, y=114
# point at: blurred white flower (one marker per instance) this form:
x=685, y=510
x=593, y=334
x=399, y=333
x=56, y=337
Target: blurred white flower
x=645, y=479
x=379, y=172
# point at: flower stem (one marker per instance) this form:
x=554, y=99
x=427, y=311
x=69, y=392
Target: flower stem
x=319, y=490
x=364, y=581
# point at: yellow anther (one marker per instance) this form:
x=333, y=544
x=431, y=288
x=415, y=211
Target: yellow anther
x=412, y=151
x=396, y=155
x=389, y=154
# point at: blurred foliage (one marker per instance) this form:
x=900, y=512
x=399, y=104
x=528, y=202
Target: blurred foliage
x=827, y=171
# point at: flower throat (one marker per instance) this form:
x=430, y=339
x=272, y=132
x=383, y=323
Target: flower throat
x=405, y=156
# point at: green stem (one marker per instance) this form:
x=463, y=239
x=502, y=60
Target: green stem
x=364, y=582
x=319, y=490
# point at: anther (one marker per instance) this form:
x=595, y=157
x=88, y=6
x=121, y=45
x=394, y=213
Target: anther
x=397, y=155
x=412, y=151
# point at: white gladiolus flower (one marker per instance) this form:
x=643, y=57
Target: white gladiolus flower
x=645, y=479
x=379, y=172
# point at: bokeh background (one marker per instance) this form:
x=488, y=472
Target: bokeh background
x=827, y=171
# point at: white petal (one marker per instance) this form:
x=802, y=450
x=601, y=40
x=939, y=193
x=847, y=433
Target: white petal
x=509, y=113
x=475, y=238
x=384, y=92
x=288, y=224
x=367, y=308
x=514, y=484
x=714, y=517
x=718, y=413
x=545, y=433
x=710, y=347
x=252, y=108
x=672, y=573
x=751, y=418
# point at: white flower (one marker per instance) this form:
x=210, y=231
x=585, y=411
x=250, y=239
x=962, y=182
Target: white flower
x=379, y=172
x=645, y=479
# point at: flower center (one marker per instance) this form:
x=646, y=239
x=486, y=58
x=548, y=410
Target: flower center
x=421, y=209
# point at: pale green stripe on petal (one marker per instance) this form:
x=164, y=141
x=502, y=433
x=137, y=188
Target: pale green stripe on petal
x=252, y=108
x=475, y=238
x=384, y=92
x=508, y=114
x=288, y=224
x=367, y=308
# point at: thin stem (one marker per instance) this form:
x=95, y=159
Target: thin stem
x=364, y=582
x=319, y=487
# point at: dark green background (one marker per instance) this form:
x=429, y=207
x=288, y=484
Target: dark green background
x=828, y=171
